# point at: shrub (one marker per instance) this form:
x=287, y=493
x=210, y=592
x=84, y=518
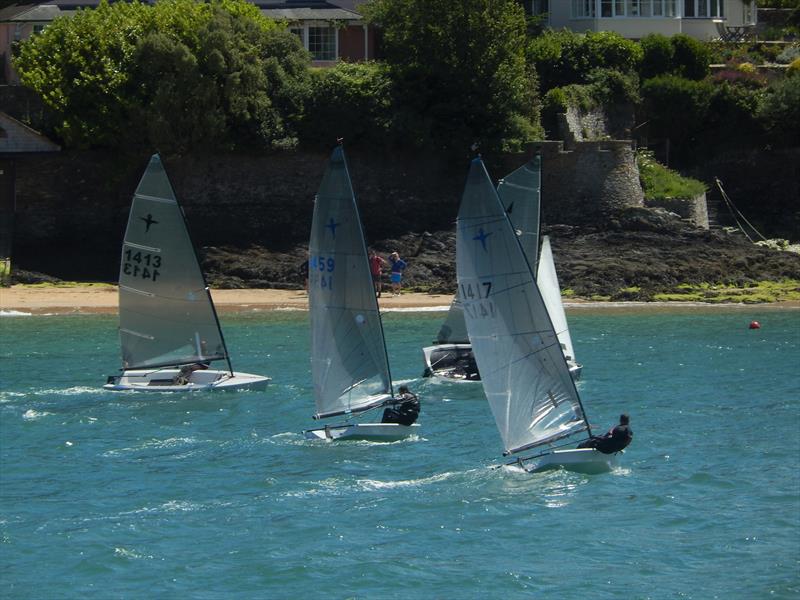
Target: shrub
x=676, y=107
x=793, y=68
x=564, y=57
x=609, y=50
x=610, y=86
x=691, y=57
x=789, y=54
x=779, y=110
x=659, y=182
x=657, y=55
x=350, y=100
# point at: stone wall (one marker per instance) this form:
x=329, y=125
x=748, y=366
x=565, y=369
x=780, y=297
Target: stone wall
x=72, y=207
x=694, y=210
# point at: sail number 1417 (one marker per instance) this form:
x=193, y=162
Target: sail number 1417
x=475, y=298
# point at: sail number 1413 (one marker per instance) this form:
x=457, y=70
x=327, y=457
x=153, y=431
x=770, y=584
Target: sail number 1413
x=141, y=264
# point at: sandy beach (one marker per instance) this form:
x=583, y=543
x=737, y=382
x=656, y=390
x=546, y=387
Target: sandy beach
x=102, y=298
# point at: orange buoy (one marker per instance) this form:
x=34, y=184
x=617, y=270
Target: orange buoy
x=755, y=325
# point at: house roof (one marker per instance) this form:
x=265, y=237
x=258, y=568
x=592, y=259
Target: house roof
x=346, y=9
x=16, y=137
x=27, y=13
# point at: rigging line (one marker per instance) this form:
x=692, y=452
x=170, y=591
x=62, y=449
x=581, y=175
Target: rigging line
x=731, y=204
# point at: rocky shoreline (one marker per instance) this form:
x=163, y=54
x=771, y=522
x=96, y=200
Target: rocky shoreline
x=641, y=253
x=635, y=256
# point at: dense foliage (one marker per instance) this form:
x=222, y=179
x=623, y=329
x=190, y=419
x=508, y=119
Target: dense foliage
x=564, y=57
x=351, y=101
x=458, y=72
x=171, y=76
x=659, y=182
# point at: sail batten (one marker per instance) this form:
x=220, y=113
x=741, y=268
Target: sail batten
x=165, y=311
x=348, y=353
x=518, y=354
x=155, y=198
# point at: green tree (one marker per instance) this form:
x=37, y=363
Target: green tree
x=779, y=110
x=351, y=101
x=80, y=64
x=565, y=57
x=176, y=75
x=459, y=72
x=676, y=108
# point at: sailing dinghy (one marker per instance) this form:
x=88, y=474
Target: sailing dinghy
x=168, y=327
x=349, y=364
x=451, y=356
x=524, y=372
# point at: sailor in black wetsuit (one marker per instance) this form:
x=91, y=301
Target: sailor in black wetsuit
x=405, y=409
x=615, y=440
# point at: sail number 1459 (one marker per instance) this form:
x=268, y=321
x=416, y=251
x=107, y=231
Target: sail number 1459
x=320, y=270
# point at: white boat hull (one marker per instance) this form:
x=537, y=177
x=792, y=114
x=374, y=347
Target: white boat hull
x=580, y=460
x=381, y=432
x=442, y=362
x=165, y=380
x=447, y=371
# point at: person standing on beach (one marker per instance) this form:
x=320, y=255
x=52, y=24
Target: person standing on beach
x=376, y=264
x=398, y=266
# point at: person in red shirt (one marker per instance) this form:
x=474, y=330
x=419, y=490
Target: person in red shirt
x=376, y=264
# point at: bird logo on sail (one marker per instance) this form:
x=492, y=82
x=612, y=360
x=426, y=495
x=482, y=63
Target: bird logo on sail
x=481, y=237
x=148, y=220
x=332, y=225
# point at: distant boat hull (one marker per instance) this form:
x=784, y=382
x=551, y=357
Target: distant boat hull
x=165, y=380
x=455, y=362
x=380, y=432
x=451, y=362
x=579, y=460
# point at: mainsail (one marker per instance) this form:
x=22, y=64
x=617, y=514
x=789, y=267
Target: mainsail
x=348, y=353
x=547, y=280
x=166, y=316
x=524, y=373
x=520, y=193
x=454, y=329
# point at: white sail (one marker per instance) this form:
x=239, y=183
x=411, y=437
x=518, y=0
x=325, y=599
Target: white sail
x=454, y=329
x=520, y=193
x=523, y=371
x=166, y=316
x=348, y=354
x=547, y=279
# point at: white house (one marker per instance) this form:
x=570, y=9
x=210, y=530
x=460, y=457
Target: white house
x=634, y=19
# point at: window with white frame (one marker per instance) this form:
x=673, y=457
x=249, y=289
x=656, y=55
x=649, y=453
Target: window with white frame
x=583, y=9
x=638, y=8
x=704, y=8
x=322, y=43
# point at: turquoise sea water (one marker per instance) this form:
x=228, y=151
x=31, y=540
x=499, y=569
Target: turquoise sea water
x=108, y=495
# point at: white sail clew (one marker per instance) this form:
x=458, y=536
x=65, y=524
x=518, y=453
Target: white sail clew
x=523, y=370
x=348, y=354
x=547, y=280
